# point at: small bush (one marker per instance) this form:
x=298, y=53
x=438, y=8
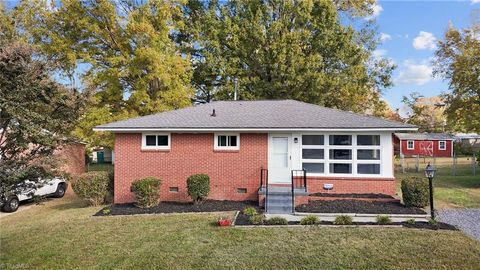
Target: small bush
x=411, y=221
x=91, y=187
x=107, y=211
x=250, y=211
x=343, y=220
x=147, y=192
x=276, y=221
x=109, y=197
x=310, y=220
x=198, y=186
x=415, y=192
x=432, y=221
x=383, y=219
x=257, y=219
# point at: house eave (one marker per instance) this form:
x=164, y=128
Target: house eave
x=198, y=130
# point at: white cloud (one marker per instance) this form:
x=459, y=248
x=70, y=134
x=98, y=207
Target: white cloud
x=376, y=10
x=412, y=73
x=474, y=1
x=379, y=53
x=424, y=40
x=384, y=37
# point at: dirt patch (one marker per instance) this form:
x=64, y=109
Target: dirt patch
x=177, y=207
x=357, y=206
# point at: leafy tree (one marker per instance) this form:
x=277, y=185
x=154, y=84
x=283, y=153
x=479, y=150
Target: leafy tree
x=284, y=49
x=36, y=114
x=427, y=113
x=457, y=60
x=124, y=48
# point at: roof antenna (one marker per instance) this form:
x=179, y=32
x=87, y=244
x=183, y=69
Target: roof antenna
x=213, y=113
x=235, y=89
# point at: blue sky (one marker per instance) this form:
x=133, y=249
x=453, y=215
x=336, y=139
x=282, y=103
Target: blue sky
x=410, y=30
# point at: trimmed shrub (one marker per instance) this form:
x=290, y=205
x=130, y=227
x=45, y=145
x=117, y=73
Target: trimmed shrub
x=257, y=219
x=250, y=211
x=198, y=186
x=110, y=187
x=310, y=220
x=343, y=220
x=147, y=191
x=432, y=221
x=383, y=219
x=415, y=192
x=91, y=187
x=276, y=221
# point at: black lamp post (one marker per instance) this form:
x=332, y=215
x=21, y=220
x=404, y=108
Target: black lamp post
x=430, y=173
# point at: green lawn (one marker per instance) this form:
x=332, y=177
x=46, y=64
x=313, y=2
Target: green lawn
x=462, y=190
x=63, y=234
x=99, y=167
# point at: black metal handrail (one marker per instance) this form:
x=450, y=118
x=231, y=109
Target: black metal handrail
x=296, y=176
x=264, y=183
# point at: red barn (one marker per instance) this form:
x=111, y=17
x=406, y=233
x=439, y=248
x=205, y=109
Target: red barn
x=424, y=144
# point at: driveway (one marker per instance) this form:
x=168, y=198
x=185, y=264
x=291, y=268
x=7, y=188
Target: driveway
x=467, y=220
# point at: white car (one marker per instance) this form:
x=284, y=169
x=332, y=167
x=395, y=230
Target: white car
x=55, y=187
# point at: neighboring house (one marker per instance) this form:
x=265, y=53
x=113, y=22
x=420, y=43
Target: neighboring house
x=102, y=155
x=424, y=144
x=232, y=141
x=72, y=156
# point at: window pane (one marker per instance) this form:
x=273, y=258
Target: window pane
x=312, y=154
x=232, y=140
x=340, y=168
x=162, y=140
x=368, y=168
x=151, y=140
x=222, y=140
x=368, y=154
x=368, y=140
x=313, y=167
x=340, y=140
x=312, y=139
x=345, y=154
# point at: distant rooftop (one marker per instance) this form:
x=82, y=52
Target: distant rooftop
x=424, y=136
x=261, y=114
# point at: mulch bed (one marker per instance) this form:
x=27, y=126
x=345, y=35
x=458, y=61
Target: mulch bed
x=353, y=195
x=244, y=220
x=357, y=206
x=178, y=207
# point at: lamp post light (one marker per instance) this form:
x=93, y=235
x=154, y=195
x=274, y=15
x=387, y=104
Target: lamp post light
x=430, y=173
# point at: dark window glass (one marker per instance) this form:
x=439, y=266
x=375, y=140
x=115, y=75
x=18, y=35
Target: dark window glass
x=368, y=154
x=313, y=167
x=368, y=168
x=151, y=140
x=368, y=140
x=312, y=154
x=344, y=154
x=340, y=168
x=340, y=140
x=241, y=190
x=233, y=140
x=312, y=139
x=173, y=189
x=162, y=140
x=222, y=140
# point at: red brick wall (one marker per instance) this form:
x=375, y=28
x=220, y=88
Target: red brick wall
x=190, y=154
x=72, y=155
x=352, y=185
x=417, y=151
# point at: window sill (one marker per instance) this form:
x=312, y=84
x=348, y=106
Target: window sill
x=226, y=150
x=154, y=150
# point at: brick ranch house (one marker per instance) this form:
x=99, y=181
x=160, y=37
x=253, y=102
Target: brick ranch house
x=241, y=144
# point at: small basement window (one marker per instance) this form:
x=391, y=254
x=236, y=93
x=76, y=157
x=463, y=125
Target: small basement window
x=241, y=190
x=173, y=189
x=227, y=142
x=156, y=141
x=442, y=145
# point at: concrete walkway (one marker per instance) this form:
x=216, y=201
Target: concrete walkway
x=355, y=217
x=467, y=220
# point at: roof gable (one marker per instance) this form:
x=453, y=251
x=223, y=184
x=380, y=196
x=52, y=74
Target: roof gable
x=261, y=114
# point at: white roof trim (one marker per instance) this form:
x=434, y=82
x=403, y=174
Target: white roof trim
x=125, y=130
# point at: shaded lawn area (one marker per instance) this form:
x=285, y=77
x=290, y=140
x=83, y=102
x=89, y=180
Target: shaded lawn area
x=63, y=234
x=451, y=191
x=99, y=167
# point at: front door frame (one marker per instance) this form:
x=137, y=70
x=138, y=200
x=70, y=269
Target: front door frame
x=275, y=175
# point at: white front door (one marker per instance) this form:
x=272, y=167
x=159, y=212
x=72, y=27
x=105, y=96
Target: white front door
x=279, y=158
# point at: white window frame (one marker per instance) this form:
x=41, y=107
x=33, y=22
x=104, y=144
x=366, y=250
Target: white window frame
x=408, y=145
x=322, y=147
x=157, y=147
x=444, y=145
x=228, y=148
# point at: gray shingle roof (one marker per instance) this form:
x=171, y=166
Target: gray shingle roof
x=261, y=114
x=424, y=136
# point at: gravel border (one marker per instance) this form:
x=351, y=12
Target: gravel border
x=467, y=220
